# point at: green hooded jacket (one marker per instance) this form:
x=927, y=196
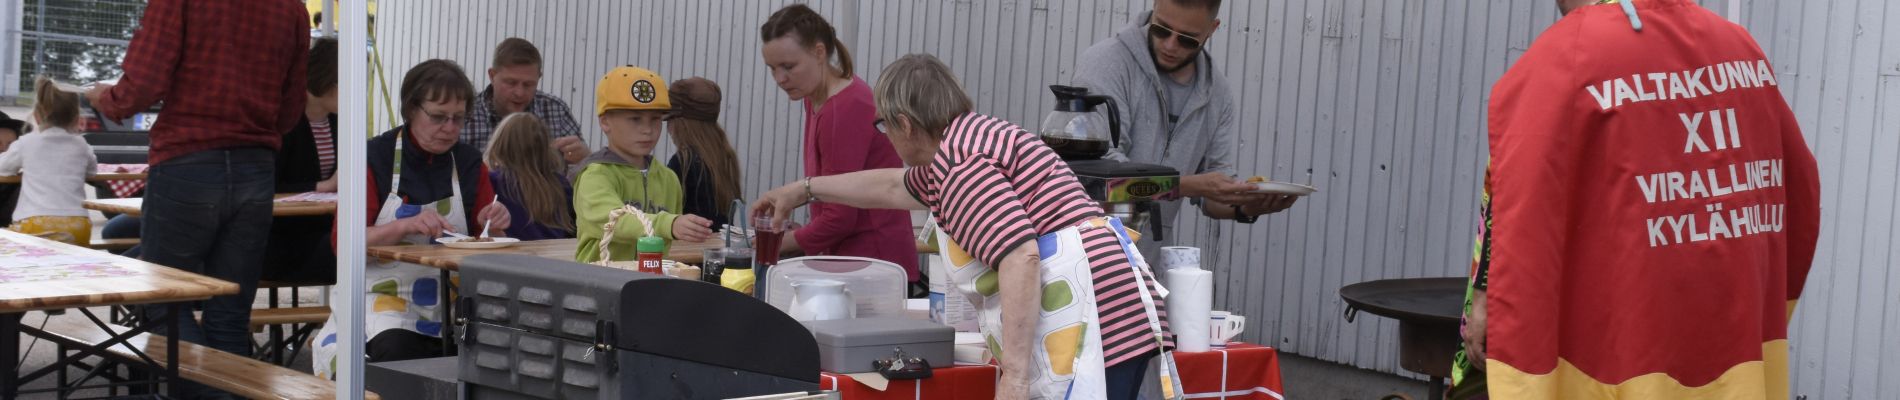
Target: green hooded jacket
x=608, y=181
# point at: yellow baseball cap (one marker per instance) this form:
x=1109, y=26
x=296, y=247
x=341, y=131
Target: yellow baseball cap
x=631, y=88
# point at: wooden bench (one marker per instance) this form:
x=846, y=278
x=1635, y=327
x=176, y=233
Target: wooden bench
x=225, y=371
x=281, y=349
x=284, y=345
x=265, y=317
x=113, y=245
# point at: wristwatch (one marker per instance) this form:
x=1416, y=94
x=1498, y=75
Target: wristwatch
x=1242, y=217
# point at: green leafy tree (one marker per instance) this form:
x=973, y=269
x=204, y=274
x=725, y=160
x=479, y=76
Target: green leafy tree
x=87, y=42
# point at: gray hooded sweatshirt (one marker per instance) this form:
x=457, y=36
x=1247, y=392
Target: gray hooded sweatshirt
x=1203, y=140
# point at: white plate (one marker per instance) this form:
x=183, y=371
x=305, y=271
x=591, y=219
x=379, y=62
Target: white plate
x=456, y=242
x=1284, y=188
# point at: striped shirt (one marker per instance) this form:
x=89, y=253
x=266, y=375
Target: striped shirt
x=994, y=186
x=326, y=145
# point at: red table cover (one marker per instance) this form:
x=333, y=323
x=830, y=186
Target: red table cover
x=1242, y=371
x=124, y=189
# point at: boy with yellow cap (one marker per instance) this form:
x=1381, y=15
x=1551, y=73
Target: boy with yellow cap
x=630, y=101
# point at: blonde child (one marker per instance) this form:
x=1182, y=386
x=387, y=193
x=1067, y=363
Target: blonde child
x=59, y=161
x=527, y=174
x=630, y=101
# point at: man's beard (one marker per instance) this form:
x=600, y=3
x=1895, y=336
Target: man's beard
x=1163, y=69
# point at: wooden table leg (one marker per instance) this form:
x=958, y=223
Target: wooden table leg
x=446, y=305
x=176, y=312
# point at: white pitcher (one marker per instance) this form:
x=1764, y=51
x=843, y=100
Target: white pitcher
x=822, y=299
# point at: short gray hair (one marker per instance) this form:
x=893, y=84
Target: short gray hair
x=922, y=88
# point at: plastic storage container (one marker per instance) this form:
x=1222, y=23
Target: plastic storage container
x=877, y=286
x=848, y=346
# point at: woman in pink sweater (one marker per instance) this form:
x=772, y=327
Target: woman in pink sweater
x=839, y=138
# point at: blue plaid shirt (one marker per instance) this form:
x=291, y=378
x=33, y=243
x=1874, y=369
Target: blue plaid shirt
x=482, y=118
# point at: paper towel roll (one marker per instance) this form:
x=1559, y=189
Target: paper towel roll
x=1180, y=257
x=970, y=354
x=1190, y=299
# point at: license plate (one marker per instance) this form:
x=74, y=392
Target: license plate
x=143, y=121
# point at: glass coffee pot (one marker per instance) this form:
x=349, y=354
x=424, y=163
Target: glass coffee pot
x=1069, y=131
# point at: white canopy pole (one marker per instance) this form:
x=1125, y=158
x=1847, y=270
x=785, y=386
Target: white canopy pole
x=353, y=87
x=329, y=18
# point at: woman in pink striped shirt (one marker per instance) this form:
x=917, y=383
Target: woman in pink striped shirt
x=996, y=189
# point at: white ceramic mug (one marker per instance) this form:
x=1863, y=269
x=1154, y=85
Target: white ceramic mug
x=1224, y=326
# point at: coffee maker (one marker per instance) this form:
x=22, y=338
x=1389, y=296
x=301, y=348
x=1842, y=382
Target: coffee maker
x=1129, y=191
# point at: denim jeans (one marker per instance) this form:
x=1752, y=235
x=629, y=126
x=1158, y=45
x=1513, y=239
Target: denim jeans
x=210, y=213
x=1124, y=380
x=122, y=226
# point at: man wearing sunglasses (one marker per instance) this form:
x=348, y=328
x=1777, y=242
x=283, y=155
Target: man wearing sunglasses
x=1176, y=109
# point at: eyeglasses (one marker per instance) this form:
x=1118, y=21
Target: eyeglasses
x=1156, y=30
x=439, y=119
x=881, y=128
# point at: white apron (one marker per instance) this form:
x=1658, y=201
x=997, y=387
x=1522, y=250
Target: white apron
x=398, y=295
x=1068, y=361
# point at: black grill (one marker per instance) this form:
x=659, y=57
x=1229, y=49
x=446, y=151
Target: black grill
x=550, y=329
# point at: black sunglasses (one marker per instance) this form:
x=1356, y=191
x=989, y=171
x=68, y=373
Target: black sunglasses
x=1156, y=30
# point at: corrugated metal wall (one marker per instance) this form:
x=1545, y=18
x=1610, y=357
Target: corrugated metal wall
x=1378, y=103
x=1841, y=63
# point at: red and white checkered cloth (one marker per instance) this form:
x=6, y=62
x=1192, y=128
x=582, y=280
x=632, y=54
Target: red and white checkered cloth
x=125, y=188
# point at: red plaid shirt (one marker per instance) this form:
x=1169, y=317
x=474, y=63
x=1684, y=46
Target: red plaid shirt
x=234, y=79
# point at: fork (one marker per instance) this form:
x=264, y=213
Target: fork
x=485, y=224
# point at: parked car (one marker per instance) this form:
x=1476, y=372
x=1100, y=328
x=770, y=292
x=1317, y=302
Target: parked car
x=122, y=141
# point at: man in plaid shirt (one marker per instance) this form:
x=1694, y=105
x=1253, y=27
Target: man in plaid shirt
x=231, y=75
x=512, y=82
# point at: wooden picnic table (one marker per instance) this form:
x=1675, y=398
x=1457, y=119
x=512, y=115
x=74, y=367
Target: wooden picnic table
x=444, y=257
x=102, y=177
x=132, y=282
x=132, y=206
x=95, y=279
x=449, y=258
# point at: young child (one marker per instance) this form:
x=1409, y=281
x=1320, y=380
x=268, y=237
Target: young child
x=706, y=161
x=10, y=130
x=629, y=102
x=528, y=175
x=59, y=161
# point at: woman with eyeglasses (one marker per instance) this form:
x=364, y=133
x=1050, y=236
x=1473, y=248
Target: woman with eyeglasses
x=1074, y=312
x=425, y=184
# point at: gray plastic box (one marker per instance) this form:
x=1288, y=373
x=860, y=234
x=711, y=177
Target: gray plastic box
x=847, y=346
